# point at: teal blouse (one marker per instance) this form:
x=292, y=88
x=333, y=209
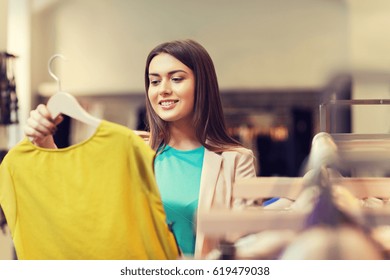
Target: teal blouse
x=178, y=177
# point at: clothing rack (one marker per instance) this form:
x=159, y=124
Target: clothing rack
x=220, y=221
x=291, y=187
x=329, y=151
x=324, y=108
x=288, y=187
x=243, y=221
x=359, y=152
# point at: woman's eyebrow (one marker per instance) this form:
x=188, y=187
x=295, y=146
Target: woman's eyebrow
x=169, y=73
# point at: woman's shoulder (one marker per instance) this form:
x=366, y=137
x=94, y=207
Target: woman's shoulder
x=236, y=152
x=145, y=135
x=229, y=149
x=241, y=161
x=239, y=150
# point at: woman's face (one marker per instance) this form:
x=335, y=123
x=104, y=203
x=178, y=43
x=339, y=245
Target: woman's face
x=171, y=88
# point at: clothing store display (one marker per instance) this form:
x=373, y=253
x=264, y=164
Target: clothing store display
x=178, y=177
x=301, y=211
x=8, y=98
x=97, y=199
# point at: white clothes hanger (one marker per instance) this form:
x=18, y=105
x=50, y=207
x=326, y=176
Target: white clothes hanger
x=64, y=103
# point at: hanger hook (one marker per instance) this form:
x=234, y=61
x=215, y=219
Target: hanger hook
x=55, y=77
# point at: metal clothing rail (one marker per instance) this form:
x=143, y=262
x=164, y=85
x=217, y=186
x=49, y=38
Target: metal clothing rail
x=324, y=108
x=291, y=187
x=358, y=150
x=220, y=223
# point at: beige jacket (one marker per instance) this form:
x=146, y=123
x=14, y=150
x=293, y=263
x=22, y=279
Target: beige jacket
x=219, y=173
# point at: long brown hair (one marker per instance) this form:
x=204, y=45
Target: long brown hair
x=208, y=120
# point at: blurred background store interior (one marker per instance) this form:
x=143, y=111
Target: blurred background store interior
x=276, y=61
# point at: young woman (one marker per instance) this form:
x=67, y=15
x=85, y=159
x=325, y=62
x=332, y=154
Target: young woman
x=196, y=162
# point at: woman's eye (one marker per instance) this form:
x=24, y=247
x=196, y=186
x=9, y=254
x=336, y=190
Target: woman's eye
x=154, y=82
x=177, y=79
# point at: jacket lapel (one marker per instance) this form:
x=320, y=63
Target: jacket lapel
x=210, y=171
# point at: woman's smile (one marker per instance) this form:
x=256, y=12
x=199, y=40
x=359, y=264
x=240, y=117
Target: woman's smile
x=168, y=104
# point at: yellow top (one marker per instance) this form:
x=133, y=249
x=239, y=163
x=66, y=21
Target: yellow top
x=94, y=200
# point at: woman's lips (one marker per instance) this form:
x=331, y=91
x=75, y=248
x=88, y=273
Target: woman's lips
x=168, y=104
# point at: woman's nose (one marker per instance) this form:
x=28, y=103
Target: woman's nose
x=165, y=88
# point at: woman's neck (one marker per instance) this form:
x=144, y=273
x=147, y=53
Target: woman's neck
x=183, y=137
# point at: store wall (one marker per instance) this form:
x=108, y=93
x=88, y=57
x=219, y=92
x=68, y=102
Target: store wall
x=19, y=44
x=3, y=24
x=255, y=44
x=370, y=59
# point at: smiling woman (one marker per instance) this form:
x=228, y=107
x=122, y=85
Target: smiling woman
x=171, y=90
x=196, y=162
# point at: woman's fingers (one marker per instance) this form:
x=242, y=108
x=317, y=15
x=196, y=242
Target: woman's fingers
x=38, y=128
x=40, y=123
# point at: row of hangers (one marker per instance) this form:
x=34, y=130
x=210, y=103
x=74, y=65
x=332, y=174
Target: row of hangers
x=219, y=222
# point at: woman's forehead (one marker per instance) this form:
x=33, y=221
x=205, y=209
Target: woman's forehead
x=165, y=63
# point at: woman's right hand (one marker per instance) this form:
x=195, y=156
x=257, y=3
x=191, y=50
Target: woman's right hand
x=40, y=127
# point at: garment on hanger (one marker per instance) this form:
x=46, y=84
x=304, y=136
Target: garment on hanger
x=97, y=199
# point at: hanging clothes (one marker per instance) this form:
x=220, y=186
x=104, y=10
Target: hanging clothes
x=94, y=200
